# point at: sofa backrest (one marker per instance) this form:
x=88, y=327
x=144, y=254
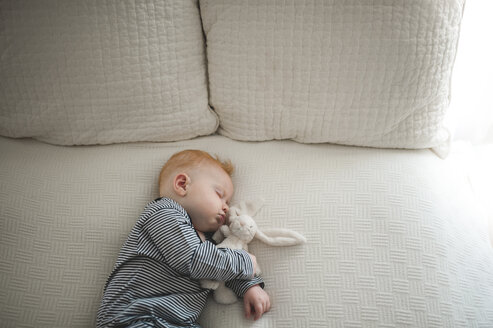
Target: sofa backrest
x=98, y=72
x=369, y=73
x=373, y=73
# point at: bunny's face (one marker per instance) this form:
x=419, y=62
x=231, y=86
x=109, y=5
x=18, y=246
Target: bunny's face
x=243, y=226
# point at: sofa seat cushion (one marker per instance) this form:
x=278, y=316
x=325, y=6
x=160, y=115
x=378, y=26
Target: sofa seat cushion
x=394, y=239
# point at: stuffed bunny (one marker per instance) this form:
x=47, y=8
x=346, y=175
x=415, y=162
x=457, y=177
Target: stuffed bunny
x=240, y=231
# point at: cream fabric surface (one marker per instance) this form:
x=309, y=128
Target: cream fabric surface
x=98, y=72
x=369, y=73
x=394, y=239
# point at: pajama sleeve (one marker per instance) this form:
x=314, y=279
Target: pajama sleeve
x=241, y=286
x=169, y=236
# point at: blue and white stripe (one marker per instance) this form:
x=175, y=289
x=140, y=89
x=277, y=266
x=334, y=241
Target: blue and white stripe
x=155, y=281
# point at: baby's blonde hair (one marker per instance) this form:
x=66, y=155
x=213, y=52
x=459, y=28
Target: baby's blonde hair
x=187, y=159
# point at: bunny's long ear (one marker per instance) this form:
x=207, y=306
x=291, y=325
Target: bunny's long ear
x=249, y=208
x=280, y=237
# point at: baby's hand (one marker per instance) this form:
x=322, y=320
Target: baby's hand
x=256, y=302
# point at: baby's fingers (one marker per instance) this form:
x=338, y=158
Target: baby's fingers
x=259, y=310
x=255, y=309
x=265, y=306
x=248, y=309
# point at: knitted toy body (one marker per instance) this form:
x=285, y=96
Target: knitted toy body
x=240, y=231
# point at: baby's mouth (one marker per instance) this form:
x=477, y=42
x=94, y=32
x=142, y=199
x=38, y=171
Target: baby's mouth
x=221, y=218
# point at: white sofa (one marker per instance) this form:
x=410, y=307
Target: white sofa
x=96, y=95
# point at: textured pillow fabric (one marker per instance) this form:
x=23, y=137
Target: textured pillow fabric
x=351, y=72
x=97, y=72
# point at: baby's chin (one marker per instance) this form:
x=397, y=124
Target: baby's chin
x=217, y=227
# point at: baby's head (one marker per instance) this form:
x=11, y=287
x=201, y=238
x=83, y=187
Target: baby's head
x=201, y=184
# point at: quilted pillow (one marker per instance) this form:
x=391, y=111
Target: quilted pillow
x=350, y=72
x=98, y=72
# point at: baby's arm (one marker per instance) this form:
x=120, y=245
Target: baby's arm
x=179, y=246
x=221, y=264
x=240, y=287
x=255, y=300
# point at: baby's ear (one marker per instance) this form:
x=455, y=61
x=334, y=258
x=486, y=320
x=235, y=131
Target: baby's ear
x=180, y=184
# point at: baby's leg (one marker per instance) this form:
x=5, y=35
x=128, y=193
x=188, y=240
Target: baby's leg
x=157, y=322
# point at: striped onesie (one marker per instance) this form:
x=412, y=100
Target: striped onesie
x=155, y=281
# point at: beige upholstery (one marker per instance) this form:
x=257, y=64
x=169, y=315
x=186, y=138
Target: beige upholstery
x=392, y=239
